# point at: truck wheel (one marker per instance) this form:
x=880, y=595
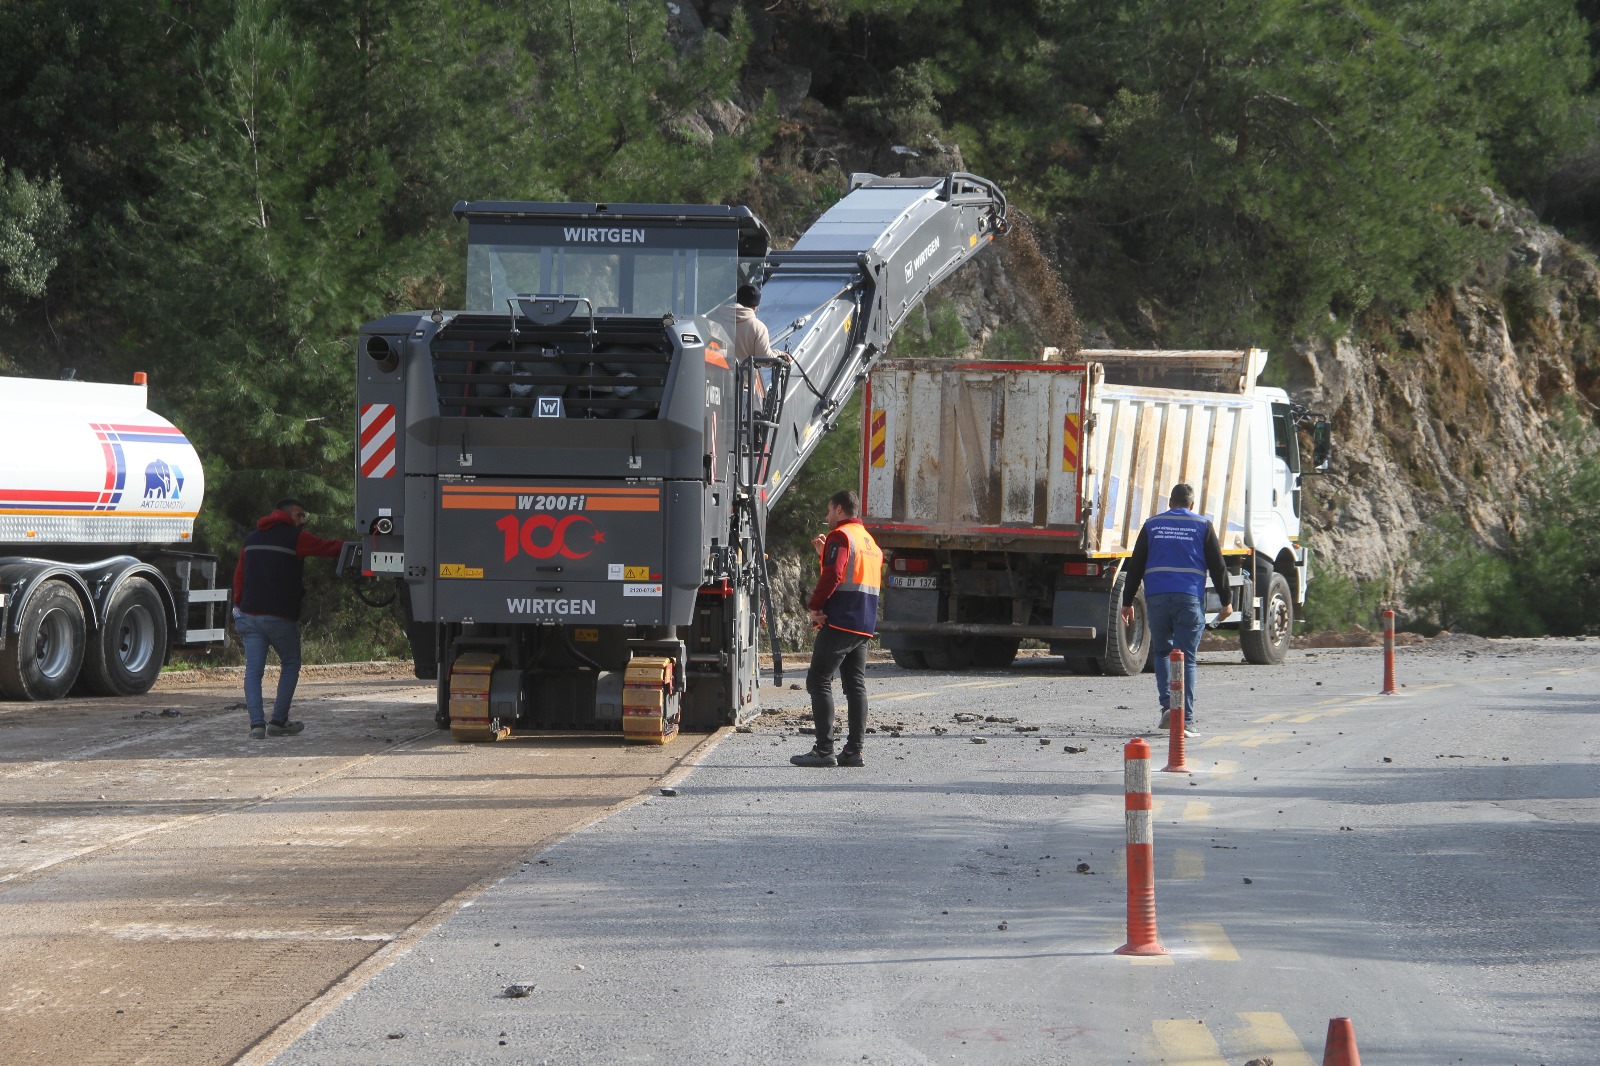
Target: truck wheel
x=1127, y=644
x=1268, y=645
x=908, y=659
x=948, y=654
x=42, y=662
x=994, y=653
x=125, y=657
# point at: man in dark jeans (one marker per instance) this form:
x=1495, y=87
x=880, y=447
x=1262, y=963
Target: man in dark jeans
x=845, y=607
x=267, y=592
x=1174, y=552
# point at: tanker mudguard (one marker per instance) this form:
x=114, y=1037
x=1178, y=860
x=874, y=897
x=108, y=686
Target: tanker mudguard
x=575, y=469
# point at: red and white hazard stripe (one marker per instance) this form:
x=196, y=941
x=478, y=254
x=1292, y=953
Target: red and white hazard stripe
x=377, y=440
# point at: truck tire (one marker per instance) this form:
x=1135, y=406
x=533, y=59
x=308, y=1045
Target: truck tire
x=994, y=653
x=1268, y=645
x=125, y=657
x=42, y=662
x=1127, y=645
x=948, y=654
x=908, y=659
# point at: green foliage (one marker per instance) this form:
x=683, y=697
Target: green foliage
x=1547, y=582
x=1461, y=585
x=835, y=465
x=33, y=228
x=1250, y=169
x=1334, y=602
x=932, y=330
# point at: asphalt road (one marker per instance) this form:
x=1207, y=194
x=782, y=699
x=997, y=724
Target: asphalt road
x=1424, y=863
x=174, y=892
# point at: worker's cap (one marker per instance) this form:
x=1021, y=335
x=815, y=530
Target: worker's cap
x=749, y=295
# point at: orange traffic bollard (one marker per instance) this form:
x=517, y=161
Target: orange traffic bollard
x=1141, y=858
x=1176, y=719
x=1388, y=651
x=1340, y=1050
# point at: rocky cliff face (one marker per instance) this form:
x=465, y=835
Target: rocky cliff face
x=1452, y=408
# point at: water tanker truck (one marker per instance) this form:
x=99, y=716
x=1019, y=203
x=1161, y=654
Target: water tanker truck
x=98, y=497
x=570, y=477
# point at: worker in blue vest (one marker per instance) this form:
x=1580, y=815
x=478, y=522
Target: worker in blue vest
x=844, y=607
x=1174, y=552
x=267, y=591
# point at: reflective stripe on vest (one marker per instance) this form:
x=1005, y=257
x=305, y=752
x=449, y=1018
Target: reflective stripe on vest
x=853, y=605
x=1177, y=553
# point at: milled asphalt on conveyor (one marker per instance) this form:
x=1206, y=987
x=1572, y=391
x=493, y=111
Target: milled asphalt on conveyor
x=930, y=906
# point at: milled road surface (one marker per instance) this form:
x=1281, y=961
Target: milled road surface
x=172, y=891
x=1425, y=863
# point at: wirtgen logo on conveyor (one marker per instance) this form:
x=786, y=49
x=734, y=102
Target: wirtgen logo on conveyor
x=922, y=257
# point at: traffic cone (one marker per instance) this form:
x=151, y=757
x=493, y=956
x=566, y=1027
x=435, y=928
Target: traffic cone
x=1340, y=1049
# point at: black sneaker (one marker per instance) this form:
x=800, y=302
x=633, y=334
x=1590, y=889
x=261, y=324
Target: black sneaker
x=1166, y=720
x=851, y=757
x=284, y=729
x=815, y=758
x=258, y=732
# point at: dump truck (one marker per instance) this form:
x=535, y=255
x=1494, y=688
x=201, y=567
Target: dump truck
x=569, y=479
x=1007, y=497
x=98, y=585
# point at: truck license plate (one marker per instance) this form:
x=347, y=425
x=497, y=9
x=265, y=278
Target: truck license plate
x=387, y=562
x=930, y=582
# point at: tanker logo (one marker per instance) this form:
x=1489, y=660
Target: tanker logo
x=162, y=482
x=163, y=485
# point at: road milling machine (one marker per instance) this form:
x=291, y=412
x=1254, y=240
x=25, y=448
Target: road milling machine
x=570, y=479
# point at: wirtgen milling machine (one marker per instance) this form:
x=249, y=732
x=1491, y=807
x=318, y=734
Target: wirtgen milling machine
x=570, y=478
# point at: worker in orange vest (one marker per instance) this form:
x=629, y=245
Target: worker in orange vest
x=844, y=608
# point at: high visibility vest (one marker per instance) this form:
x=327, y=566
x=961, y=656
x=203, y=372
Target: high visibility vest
x=853, y=605
x=1177, y=558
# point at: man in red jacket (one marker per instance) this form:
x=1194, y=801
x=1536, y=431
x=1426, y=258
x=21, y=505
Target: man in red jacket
x=845, y=607
x=267, y=591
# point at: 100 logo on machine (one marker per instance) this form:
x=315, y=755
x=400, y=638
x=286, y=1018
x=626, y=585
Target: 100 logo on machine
x=545, y=536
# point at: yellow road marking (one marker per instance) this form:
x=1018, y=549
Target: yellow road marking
x=901, y=696
x=1268, y=1033
x=1213, y=942
x=1225, y=766
x=1222, y=738
x=1196, y=811
x=981, y=684
x=1148, y=960
x=1188, y=864
x=1186, y=1042
x=1273, y=717
x=1256, y=742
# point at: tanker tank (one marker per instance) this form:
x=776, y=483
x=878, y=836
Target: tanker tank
x=98, y=498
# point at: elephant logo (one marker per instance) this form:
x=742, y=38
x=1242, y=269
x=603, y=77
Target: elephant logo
x=162, y=481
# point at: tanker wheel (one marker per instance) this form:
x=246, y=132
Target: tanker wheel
x=42, y=662
x=125, y=657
